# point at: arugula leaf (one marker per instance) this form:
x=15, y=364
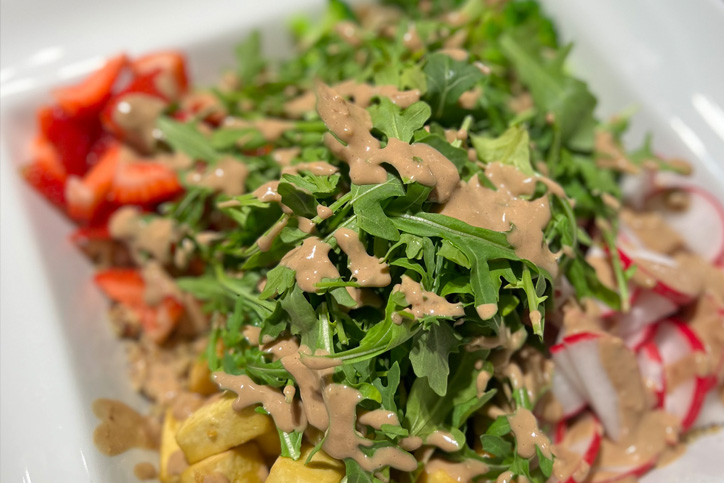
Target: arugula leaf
x=447, y=79
x=430, y=351
x=291, y=444
x=397, y=123
x=366, y=202
x=299, y=200
x=186, y=138
x=511, y=148
x=249, y=58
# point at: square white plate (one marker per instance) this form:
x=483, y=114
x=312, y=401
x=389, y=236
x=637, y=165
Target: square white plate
x=57, y=353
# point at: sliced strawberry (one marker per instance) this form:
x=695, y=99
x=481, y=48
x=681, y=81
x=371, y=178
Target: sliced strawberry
x=85, y=196
x=124, y=285
x=144, y=182
x=87, y=98
x=46, y=173
x=172, y=66
x=72, y=138
x=159, y=322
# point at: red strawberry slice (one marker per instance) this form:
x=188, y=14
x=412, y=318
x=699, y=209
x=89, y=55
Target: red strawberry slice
x=171, y=65
x=124, y=285
x=46, y=173
x=159, y=322
x=676, y=341
x=144, y=182
x=87, y=98
x=72, y=138
x=652, y=371
x=85, y=196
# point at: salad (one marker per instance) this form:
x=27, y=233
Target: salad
x=408, y=253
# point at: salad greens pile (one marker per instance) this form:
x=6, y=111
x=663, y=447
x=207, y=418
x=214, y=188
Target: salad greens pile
x=423, y=369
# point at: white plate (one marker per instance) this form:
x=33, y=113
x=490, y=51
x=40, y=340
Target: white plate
x=57, y=354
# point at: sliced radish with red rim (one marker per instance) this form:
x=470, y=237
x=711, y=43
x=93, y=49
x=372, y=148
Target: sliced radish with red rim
x=652, y=371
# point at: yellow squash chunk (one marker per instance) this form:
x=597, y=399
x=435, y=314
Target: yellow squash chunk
x=216, y=427
x=322, y=469
x=243, y=464
x=437, y=477
x=168, y=447
x=269, y=443
x=200, y=379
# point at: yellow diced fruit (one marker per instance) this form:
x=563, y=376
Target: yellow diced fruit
x=437, y=477
x=322, y=469
x=243, y=464
x=200, y=379
x=216, y=427
x=269, y=443
x=168, y=447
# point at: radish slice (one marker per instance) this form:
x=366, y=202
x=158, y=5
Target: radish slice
x=630, y=249
x=610, y=474
x=582, y=350
x=582, y=438
x=676, y=341
x=652, y=371
x=638, y=339
x=701, y=225
x=648, y=307
x=567, y=395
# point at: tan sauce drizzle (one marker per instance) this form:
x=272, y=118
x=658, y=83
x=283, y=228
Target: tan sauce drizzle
x=652, y=231
x=311, y=263
x=287, y=417
x=469, y=99
x=486, y=311
x=463, y=471
x=411, y=39
x=324, y=212
x=378, y=417
x=268, y=192
x=285, y=156
x=318, y=168
x=122, y=428
x=155, y=237
x=362, y=151
x=443, y=440
x=348, y=32
x=305, y=224
x=505, y=477
x=611, y=156
x=528, y=435
x=228, y=177
x=459, y=55
x=344, y=442
x=310, y=388
x=688, y=367
x=481, y=382
x=158, y=284
x=503, y=211
x=252, y=334
x=136, y=116
x=423, y=302
x=144, y=471
x=369, y=271
x=265, y=241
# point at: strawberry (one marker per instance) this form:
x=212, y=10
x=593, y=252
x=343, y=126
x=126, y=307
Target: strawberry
x=124, y=285
x=159, y=322
x=171, y=65
x=86, y=196
x=46, y=173
x=144, y=182
x=87, y=98
x=72, y=138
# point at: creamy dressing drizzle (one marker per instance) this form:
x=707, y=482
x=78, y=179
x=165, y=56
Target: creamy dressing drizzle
x=368, y=270
x=528, y=435
x=154, y=237
x=503, y=210
x=443, y=440
x=122, y=428
x=136, y=116
x=318, y=168
x=228, y=176
x=311, y=263
x=362, y=151
x=423, y=302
